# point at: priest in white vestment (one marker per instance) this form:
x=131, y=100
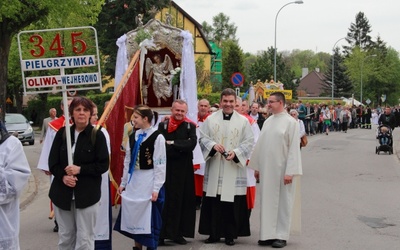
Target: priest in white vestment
x=14, y=174
x=226, y=140
x=277, y=158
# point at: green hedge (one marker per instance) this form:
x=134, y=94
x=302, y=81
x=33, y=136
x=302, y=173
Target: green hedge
x=55, y=101
x=212, y=98
x=99, y=99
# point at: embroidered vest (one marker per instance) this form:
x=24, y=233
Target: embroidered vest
x=146, y=150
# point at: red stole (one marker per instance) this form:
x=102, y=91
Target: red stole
x=173, y=124
x=57, y=123
x=202, y=119
x=249, y=118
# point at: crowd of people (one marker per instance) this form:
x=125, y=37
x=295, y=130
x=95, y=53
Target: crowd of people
x=322, y=118
x=161, y=188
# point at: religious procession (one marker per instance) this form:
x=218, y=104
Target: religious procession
x=146, y=127
x=159, y=155
x=174, y=165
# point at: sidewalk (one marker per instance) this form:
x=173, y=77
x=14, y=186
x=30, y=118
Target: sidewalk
x=30, y=190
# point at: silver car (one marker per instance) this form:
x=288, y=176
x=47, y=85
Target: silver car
x=20, y=127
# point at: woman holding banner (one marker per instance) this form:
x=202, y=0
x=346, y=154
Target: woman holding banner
x=75, y=190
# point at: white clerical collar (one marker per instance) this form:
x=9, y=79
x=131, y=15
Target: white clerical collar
x=254, y=116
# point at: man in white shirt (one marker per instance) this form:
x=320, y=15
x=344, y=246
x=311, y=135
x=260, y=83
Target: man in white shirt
x=254, y=113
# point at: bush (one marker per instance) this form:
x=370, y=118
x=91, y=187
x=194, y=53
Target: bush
x=98, y=99
x=55, y=102
x=212, y=97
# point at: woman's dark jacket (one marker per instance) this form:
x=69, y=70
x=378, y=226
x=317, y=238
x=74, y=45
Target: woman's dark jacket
x=93, y=158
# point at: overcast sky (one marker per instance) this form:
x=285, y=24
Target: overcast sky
x=314, y=25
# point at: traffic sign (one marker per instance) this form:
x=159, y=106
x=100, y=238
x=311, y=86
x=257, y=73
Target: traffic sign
x=237, y=79
x=72, y=92
x=237, y=90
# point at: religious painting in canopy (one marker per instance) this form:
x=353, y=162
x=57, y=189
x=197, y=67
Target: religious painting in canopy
x=160, y=59
x=155, y=66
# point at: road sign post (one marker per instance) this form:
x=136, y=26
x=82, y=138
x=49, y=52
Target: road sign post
x=45, y=51
x=237, y=80
x=237, y=91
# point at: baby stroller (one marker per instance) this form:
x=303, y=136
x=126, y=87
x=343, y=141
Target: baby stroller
x=385, y=139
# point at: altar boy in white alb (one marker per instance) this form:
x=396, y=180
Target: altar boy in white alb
x=277, y=158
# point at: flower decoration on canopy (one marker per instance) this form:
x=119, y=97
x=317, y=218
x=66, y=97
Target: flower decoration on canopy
x=176, y=75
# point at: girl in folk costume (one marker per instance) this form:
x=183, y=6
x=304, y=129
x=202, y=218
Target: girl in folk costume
x=141, y=188
x=326, y=116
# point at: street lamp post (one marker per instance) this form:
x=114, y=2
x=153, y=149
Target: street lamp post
x=333, y=67
x=361, y=76
x=276, y=18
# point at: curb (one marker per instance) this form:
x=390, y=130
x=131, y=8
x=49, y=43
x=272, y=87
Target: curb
x=31, y=188
x=29, y=192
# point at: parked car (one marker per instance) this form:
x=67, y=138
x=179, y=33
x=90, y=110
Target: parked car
x=20, y=127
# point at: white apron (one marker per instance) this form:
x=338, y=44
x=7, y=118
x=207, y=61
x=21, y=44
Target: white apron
x=136, y=203
x=102, y=229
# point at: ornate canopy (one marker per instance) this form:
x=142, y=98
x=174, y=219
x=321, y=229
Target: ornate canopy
x=164, y=36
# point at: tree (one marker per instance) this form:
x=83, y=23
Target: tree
x=263, y=67
x=248, y=60
x=285, y=75
x=232, y=61
x=342, y=84
x=358, y=34
x=207, y=31
x=385, y=77
x=221, y=30
x=14, y=81
x=299, y=59
x=116, y=18
x=202, y=76
x=16, y=15
x=379, y=71
x=371, y=63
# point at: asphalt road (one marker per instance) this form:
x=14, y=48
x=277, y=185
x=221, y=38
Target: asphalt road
x=350, y=200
